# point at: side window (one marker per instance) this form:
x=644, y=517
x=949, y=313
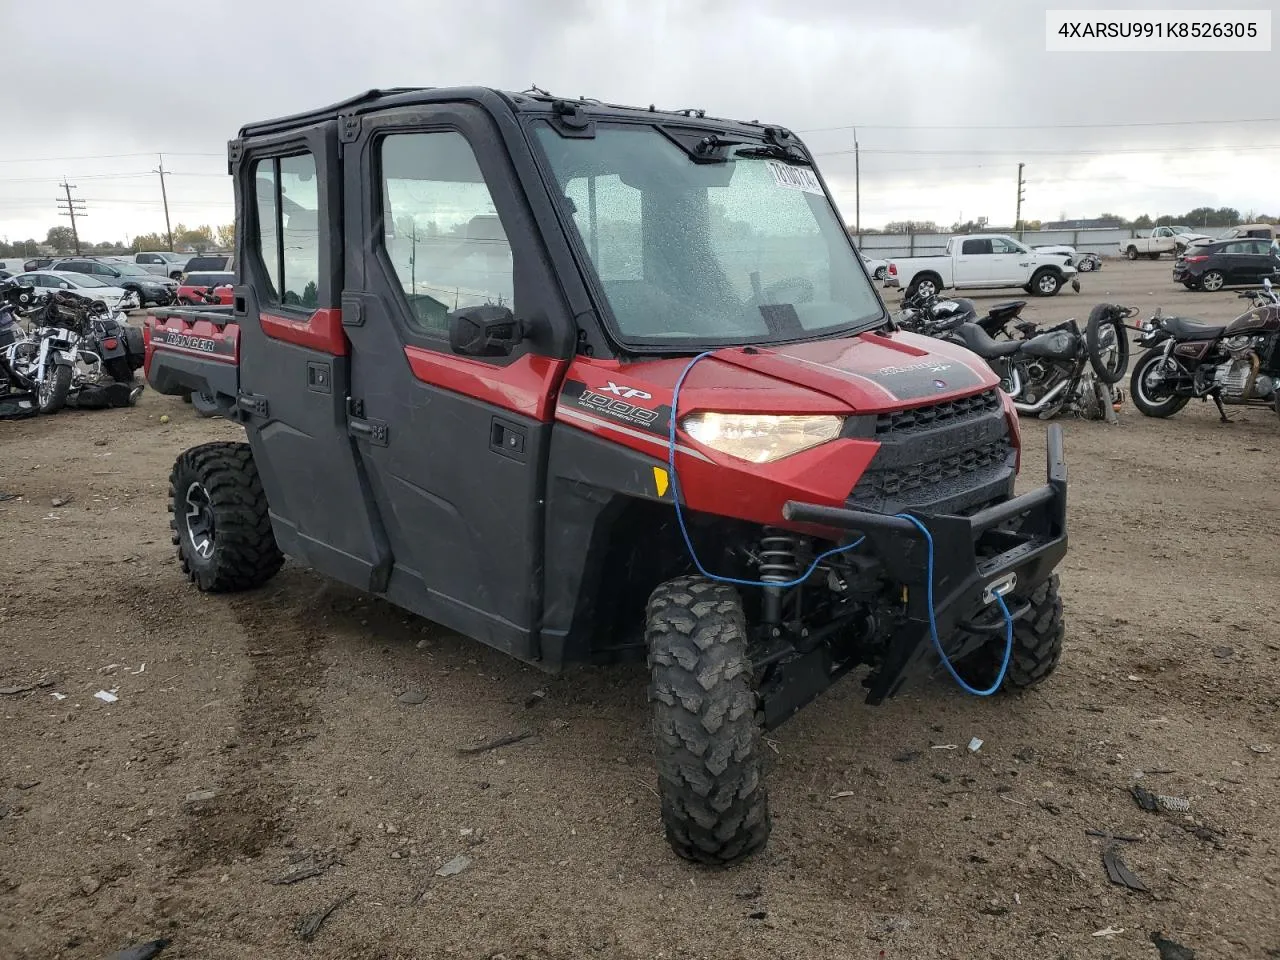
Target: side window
x=999, y=245
x=976, y=246
x=1234, y=248
x=288, y=228
x=441, y=231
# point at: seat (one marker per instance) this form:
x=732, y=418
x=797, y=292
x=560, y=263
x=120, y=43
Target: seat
x=1055, y=345
x=1184, y=328
x=1006, y=311
x=978, y=340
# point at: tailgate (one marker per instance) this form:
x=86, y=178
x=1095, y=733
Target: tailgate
x=192, y=350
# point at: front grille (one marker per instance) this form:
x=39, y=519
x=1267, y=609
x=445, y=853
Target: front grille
x=951, y=457
x=935, y=413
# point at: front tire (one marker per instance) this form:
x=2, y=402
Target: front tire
x=925, y=286
x=1131, y=253
x=1037, y=643
x=1046, y=283
x=220, y=522
x=54, y=389
x=706, y=722
x=1100, y=317
x=1151, y=399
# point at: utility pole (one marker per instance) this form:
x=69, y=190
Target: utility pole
x=168, y=231
x=72, y=208
x=1018, y=216
x=857, y=189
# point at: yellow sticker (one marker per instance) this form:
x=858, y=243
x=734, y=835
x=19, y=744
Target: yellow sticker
x=660, y=481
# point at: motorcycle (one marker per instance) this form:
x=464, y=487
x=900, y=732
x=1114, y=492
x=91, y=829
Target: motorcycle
x=18, y=392
x=1058, y=369
x=933, y=314
x=1236, y=363
x=77, y=351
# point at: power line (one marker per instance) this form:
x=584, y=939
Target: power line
x=1053, y=153
x=103, y=156
x=1040, y=126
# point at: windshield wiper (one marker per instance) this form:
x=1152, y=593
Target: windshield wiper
x=773, y=150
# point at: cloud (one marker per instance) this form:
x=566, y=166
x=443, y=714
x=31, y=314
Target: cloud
x=185, y=86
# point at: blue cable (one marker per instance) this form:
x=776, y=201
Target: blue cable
x=933, y=623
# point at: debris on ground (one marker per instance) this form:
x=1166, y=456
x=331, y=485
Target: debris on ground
x=27, y=784
x=1170, y=949
x=307, y=870
x=60, y=501
x=1224, y=653
x=535, y=698
x=454, y=866
x=6, y=497
x=1108, y=932
x=1260, y=747
x=200, y=796
x=310, y=925
x=975, y=745
x=840, y=795
x=1108, y=835
x=143, y=951
x=412, y=697
x=16, y=689
x=945, y=746
x=106, y=696
x=1119, y=874
x=503, y=741
x=1152, y=802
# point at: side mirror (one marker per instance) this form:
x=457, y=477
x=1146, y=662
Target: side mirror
x=487, y=331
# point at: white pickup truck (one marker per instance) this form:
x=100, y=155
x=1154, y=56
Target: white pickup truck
x=162, y=264
x=983, y=260
x=1171, y=240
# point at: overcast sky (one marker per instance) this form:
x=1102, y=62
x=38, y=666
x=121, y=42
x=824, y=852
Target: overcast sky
x=924, y=80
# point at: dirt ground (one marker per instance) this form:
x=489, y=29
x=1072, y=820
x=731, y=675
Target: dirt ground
x=260, y=733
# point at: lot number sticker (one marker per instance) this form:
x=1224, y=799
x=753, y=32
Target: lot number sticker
x=793, y=178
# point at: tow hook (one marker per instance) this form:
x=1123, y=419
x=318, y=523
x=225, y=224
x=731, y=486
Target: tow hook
x=999, y=587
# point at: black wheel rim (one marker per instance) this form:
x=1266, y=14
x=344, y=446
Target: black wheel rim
x=199, y=517
x=46, y=390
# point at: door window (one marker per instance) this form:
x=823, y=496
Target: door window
x=976, y=246
x=441, y=230
x=1000, y=245
x=288, y=232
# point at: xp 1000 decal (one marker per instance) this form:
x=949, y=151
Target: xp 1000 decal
x=620, y=403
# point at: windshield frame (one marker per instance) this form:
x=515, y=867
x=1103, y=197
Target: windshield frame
x=747, y=138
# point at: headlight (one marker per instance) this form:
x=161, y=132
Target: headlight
x=760, y=438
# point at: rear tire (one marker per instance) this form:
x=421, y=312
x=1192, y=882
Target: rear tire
x=925, y=285
x=220, y=522
x=1131, y=253
x=1159, y=406
x=706, y=722
x=1037, y=643
x=1212, y=281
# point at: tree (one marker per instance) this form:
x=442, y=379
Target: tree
x=199, y=237
x=226, y=235
x=62, y=239
x=911, y=226
x=149, y=241
x=1143, y=222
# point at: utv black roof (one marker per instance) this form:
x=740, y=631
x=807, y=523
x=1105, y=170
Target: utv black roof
x=528, y=101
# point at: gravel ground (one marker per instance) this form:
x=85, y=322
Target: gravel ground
x=259, y=734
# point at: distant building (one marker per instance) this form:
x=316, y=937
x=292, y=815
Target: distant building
x=1108, y=224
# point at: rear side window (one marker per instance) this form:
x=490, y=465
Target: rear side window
x=976, y=246
x=288, y=229
x=441, y=230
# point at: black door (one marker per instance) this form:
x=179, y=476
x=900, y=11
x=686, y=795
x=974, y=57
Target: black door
x=294, y=358
x=455, y=446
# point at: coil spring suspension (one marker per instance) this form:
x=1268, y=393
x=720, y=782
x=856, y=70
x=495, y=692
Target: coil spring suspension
x=778, y=564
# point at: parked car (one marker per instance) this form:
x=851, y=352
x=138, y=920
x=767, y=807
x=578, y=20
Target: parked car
x=163, y=263
x=1245, y=231
x=5, y=274
x=1084, y=262
x=1212, y=266
x=194, y=285
x=149, y=288
x=214, y=263
x=37, y=263
x=977, y=261
x=1171, y=240
x=878, y=269
x=13, y=265
x=82, y=283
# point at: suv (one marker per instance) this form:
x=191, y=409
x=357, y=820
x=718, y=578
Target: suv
x=510, y=362
x=149, y=288
x=163, y=264
x=205, y=264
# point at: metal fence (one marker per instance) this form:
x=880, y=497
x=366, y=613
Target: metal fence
x=1105, y=243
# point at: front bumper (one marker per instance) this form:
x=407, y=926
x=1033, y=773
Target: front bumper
x=1008, y=548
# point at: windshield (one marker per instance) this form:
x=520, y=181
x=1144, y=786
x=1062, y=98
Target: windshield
x=129, y=270
x=746, y=250
x=83, y=280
